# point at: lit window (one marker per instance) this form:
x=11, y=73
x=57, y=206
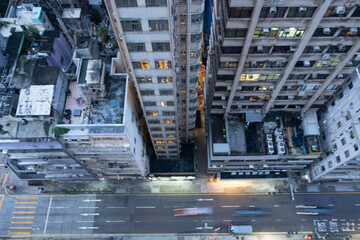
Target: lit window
x=162, y=64
x=154, y=113
x=160, y=147
x=170, y=135
x=249, y=77
x=159, y=141
x=164, y=79
x=168, y=121
x=171, y=141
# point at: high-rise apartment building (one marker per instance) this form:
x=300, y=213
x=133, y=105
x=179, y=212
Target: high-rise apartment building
x=160, y=43
x=275, y=62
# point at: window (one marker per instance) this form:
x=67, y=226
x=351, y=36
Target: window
x=232, y=50
x=126, y=3
x=195, y=37
x=159, y=141
x=235, y=32
x=348, y=116
x=347, y=153
x=356, y=147
x=343, y=141
x=196, y=18
x=157, y=135
x=149, y=104
x=338, y=159
x=352, y=135
x=335, y=147
x=136, y=47
x=332, y=11
x=167, y=103
x=162, y=64
x=141, y=64
x=228, y=64
x=168, y=113
x=170, y=135
x=144, y=79
x=147, y=92
x=158, y=129
x=320, y=32
x=294, y=12
x=195, y=53
x=164, y=79
x=161, y=47
x=131, y=25
x=330, y=164
x=154, y=3
x=293, y=32
x=168, y=121
x=260, y=33
x=323, y=168
x=166, y=92
x=153, y=121
x=171, y=141
x=160, y=147
x=153, y=113
x=158, y=25
x=240, y=12
x=169, y=129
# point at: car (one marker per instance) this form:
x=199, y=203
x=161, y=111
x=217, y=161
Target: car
x=193, y=211
x=317, y=211
x=251, y=212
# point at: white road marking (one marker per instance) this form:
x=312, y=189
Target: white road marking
x=278, y=220
x=145, y=206
x=303, y=219
x=276, y=205
x=88, y=207
x=304, y=206
x=251, y=205
x=201, y=199
x=59, y=207
x=56, y=222
x=47, y=215
x=116, y=207
x=115, y=221
x=84, y=228
x=357, y=204
x=200, y=228
x=174, y=220
x=331, y=205
x=253, y=220
x=85, y=221
x=226, y=220
x=92, y=200
x=230, y=206
x=90, y=214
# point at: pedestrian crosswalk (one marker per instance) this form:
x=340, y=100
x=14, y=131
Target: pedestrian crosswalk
x=23, y=215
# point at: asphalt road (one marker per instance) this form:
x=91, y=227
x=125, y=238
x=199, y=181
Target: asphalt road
x=154, y=213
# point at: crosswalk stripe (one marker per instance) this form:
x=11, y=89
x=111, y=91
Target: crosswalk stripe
x=23, y=207
x=26, y=202
x=25, y=212
x=20, y=233
x=23, y=217
x=20, y=227
x=22, y=222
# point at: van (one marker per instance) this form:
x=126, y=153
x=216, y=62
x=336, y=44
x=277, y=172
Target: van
x=240, y=229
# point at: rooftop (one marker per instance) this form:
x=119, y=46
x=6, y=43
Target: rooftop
x=71, y=13
x=35, y=101
x=90, y=71
x=7, y=97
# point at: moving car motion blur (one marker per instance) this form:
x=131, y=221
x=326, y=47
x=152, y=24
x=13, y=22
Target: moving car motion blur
x=251, y=212
x=315, y=210
x=193, y=211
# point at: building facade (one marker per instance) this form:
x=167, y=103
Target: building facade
x=160, y=42
x=275, y=62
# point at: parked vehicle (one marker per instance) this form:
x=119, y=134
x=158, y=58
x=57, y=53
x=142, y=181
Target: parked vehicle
x=240, y=229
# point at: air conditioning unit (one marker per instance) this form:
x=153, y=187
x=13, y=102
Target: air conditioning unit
x=251, y=76
x=350, y=63
x=279, y=138
x=357, y=57
x=217, y=18
x=316, y=48
x=301, y=93
x=340, y=76
x=300, y=82
x=314, y=76
x=271, y=88
x=326, y=31
x=279, y=63
x=306, y=63
x=259, y=48
x=177, y=70
x=253, y=63
x=293, y=48
x=210, y=75
x=340, y=10
x=277, y=132
x=324, y=63
x=265, y=31
x=302, y=9
x=326, y=56
x=219, y=38
x=216, y=43
x=287, y=30
x=291, y=97
x=341, y=47
x=269, y=138
x=353, y=30
x=239, y=88
x=272, y=10
x=223, y=98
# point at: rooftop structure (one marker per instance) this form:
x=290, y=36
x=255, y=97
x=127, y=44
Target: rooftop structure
x=35, y=101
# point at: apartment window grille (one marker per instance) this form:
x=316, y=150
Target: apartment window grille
x=195, y=37
x=153, y=121
x=147, y=92
x=144, y=79
x=294, y=32
x=164, y=79
x=224, y=78
x=126, y=3
x=352, y=135
x=154, y=3
x=260, y=33
x=240, y=12
x=356, y=13
x=156, y=129
x=141, y=64
x=131, y=25
x=153, y=113
x=343, y=141
x=194, y=54
x=346, y=33
x=161, y=47
x=195, y=67
x=330, y=164
x=335, y=147
x=254, y=64
x=163, y=64
x=329, y=63
x=167, y=103
x=228, y=64
x=159, y=142
x=196, y=18
x=233, y=50
x=297, y=76
x=182, y=38
x=356, y=147
x=171, y=141
x=160, y=147
x=167, y=113
x=182, y=19
x=136, y=47
x=166, y=92
x=157, y=135
x=319, y=32
x=149, y=104
x=337, y=49
x=169, y=129
x=295, y=13
x=170, y=135
x=332, y=12
x=236, y=32
x=158, y=25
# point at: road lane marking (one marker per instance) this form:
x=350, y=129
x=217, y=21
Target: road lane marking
x=56, y=221
x=47, y=215
x=357, y=204
x=90, y=214
x=226, y=220
x=23, y=207
x=59, y=207
x=92, y=200
x=116, y=207
x=145, y=206
x=20, y=227
x=251, y=205
x=20, y=233
x=331, y=205
x=24, y=212
x=85, y=221
x=208, y=199
x=23, y=217
x=27, y=197
x=6, y=178
x=253, y=220
x=88, y=207
x=276, y=205
x=115, y=221
x=231, y=206
x=26, y=203
x=2, y=175
x=2, y=199
x=84, y=228
x=22, y=222
x=278, y=220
